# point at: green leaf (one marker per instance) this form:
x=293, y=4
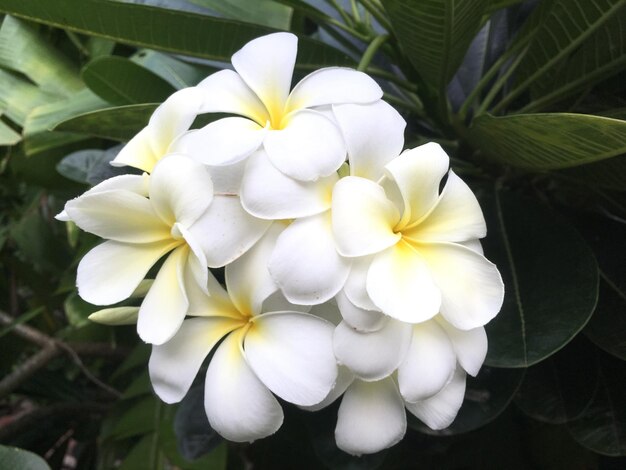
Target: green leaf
x=548, y=141
x=263, y=12
x=176, y=72
x=599, y=57
x=143, y=455
x=499, y=4
x=487, y=395
x=23, y=49
x=602, y=426
x=46, y=117
x=138, y=419
x=609, y=174
x=156, y=28
x=562, y=26
x=120, y=123
x=77, y=310
x=8, y=136
x=559, y=389
x=90, y=166
x=19, y=97
x=607, y=327
x=12, y=457
x=435, y=34
x=550, y=278
x=121, y=81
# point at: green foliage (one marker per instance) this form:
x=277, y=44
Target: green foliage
x=540, y=117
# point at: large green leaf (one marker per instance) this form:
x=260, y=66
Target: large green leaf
x=23, y=49
x=18, y=97
x=559, y=389
x=550, y=278
x=435, y=34
x=602, y=426
x=559, y=27
x=177, y=73
x=168, y=30
x=120, y=123
x=609, y=174
x=549, y=141
x=14, y=458
x=598, y=58
x=8, y=136
x=264, y=12
x=121, y=81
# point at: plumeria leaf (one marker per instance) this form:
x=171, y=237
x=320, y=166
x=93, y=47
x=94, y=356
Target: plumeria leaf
x=205, y=36
x=486, y=396
x=549, y=141
x=602, y=425
x=436, y=33
x=121, y=81
x=263, y=12
x=12, y=457
x=560, y=388
x=551, y=280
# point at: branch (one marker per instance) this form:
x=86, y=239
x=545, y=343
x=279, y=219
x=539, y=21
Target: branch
x=23, y=371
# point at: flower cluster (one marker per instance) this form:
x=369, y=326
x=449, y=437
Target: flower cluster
x=348, y=271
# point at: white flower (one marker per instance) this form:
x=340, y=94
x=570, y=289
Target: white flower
x=267, y=347
x=299, y=138
x=139, y=231
x=413, y=238
x=168, y=121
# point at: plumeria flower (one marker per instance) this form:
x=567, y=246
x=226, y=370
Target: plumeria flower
x=171, y=119
x=144, y=218
x=299, y=138
x=410, y=241
x=266, y=347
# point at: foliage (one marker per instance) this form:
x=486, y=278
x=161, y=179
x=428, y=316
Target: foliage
x=526, y=96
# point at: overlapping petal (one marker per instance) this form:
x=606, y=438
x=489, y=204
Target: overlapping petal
x=105, y=275
x=307, y=147
x=305, y=263
x=400, y=284
x=371, y=417
x=471, y=286
x=174, y=364
x=356, y=284
x=374, y=135
x=359, y=318
x=470, y=346
x=363, y=218
x=292, y=354
x=239, y=406
x=373, y=355
x=268, y=193
x=429, y=363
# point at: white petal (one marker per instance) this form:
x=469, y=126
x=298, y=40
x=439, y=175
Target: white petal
x=371, y=417
x=172, y=118
x=196, y=267
x=180, y=189
x=118, y=215
x=115, y=316
x=138, y=153
x=305, y=263
x=174, y=365
x=474, y=245
x=429, y=363
x=268, y=193
x=356, y=284
x=439, y=411
x=471, y=287
x=292, y=354
x=226, y=92
x=226, y=231
x=344, y=378
x=164, y=308
x=363, y=217
x=373, y=355
x=417, y=173
x=134, y=183
x=374, y=135
x=308, y=147
x=238, y=405
x=222, y=142
x=334, y=85
x=110, y=272
x=457, y=217
x=358, y=318
x=227, y=178
x=266, y=65
x=248, y=280
x=470, y=346
x=400, y=283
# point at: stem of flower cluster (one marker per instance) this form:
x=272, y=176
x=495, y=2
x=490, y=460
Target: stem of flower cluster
x=371, y=51
x=377, y=13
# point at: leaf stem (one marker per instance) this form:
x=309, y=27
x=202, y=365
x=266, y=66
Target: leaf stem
x=377, y=13
x=344, y=15
x=371, y=51
x=390, y=77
